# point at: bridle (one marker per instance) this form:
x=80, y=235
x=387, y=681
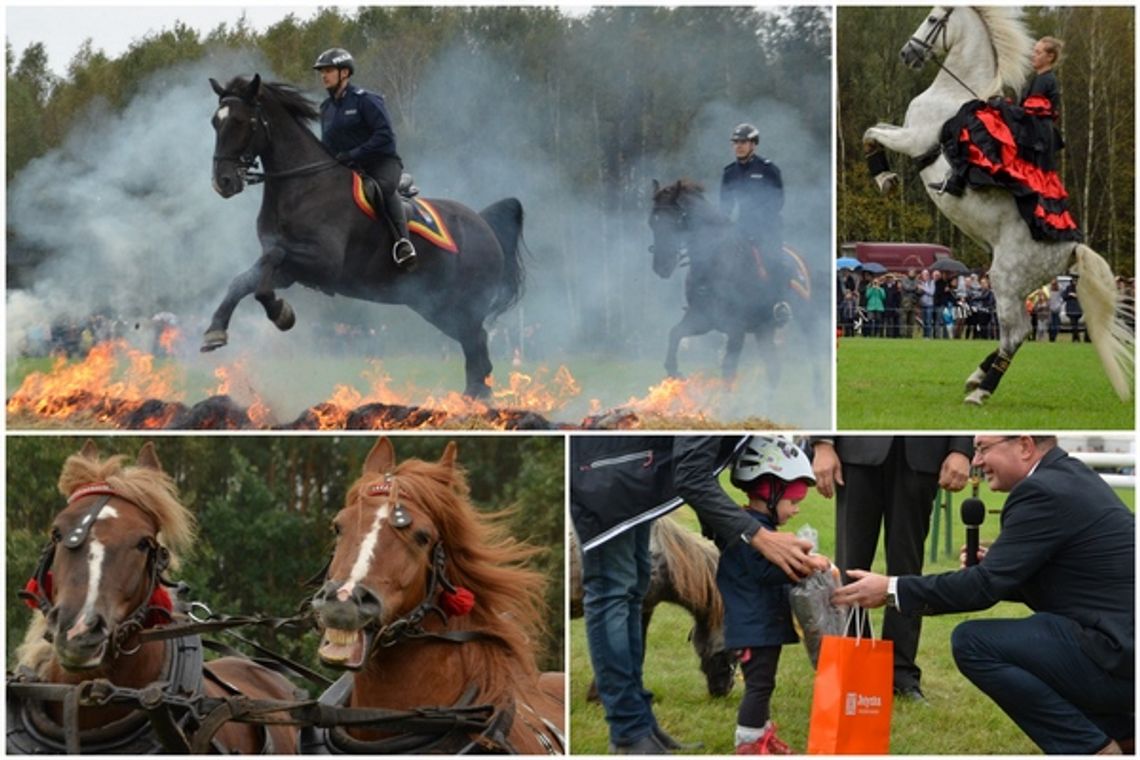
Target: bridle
x=246, y=159
x=938, y=29
x=676, y=213
x=157, y=561
x=411, y=625
x=927, y=43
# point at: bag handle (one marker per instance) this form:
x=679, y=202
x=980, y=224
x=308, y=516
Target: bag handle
x=861, y=617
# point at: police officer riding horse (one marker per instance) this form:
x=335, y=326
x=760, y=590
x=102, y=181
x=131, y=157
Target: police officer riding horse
x=356, y=128
x=752, y=193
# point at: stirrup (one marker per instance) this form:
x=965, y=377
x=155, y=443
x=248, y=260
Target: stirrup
x=403, y=244
x=782, y=313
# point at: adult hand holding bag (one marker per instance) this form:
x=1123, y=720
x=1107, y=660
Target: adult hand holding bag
x=853, y=695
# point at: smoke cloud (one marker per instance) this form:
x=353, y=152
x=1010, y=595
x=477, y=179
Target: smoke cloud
x=134, y=228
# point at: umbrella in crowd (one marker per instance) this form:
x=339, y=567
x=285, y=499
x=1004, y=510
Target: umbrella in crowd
x=874, y=267
x=847, y=262
x=952, y=266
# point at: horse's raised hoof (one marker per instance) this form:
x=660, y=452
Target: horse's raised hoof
x=214, y=339
x=887, y=182
x=977, y=397
x=285, y=318
x=480, y=392
x=975, y=379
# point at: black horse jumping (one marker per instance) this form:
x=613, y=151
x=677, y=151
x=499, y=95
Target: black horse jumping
x=313, y=232
x=731, y=287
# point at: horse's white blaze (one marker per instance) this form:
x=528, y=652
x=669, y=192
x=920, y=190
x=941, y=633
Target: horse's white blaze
x=95, y=555
x=223, y=113
x=364, y=557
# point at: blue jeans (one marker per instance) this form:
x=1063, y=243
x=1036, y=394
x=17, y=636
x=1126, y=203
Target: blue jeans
x=1035, y=671
x=615, y=578
x=928, y=321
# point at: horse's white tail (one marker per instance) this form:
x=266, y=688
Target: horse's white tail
x=1105, y=315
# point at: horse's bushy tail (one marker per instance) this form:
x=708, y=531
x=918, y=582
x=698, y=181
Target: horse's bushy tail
x=506, y=219
x=1106, y=318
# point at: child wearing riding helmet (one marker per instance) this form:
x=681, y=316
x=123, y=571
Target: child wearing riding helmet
x=775, y=474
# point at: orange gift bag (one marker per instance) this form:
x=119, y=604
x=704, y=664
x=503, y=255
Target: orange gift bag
x=853, y=695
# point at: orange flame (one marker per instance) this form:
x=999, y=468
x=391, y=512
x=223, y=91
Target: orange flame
x=114, y=379
x=234, y=381
x=169, y=338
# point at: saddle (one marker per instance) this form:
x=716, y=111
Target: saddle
x=423, y=219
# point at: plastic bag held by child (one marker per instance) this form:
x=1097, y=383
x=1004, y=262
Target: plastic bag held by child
x=814, y=614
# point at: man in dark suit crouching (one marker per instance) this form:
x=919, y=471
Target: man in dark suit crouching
x=1066, y=673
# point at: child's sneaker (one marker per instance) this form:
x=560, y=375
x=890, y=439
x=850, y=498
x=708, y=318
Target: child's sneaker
x=767, y=744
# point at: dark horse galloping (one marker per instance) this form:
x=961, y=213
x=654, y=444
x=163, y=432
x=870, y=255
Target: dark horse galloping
x=312, y=232
x=730, y=287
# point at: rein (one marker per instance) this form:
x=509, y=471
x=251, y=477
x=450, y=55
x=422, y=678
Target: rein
x=209, y=714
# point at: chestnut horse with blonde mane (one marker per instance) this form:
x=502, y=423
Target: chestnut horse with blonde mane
x=99, y=583
x=431, y=603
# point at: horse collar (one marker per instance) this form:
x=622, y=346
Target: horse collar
x=32, y=731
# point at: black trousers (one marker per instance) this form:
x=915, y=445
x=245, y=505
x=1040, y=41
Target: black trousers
x=759, y=683
x=900, y=500
x=386, y=172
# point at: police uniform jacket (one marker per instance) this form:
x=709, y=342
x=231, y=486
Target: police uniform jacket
x=357, y=123
x=1066, y=547
x=756, y=188
x=757, y=612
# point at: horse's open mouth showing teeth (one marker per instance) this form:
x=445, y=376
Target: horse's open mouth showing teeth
x=344, y=649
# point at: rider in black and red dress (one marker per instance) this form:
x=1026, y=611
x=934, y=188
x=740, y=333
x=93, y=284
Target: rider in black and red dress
x=1041, y=100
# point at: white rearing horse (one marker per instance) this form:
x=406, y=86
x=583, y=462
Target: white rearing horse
x=985, y=50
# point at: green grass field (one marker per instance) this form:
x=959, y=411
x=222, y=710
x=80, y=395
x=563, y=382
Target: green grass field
x=919, y=384
x=959, y=719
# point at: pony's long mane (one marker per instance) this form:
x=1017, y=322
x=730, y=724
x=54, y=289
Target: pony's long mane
x=691, y=562
x=152, y=490
x=1011, y=42
x=483, y=557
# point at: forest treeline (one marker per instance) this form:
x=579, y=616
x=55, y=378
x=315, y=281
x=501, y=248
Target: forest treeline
x=1098, y=165
x=632, y=68
x=264, y=507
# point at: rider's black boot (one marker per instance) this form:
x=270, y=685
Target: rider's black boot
x=403, y=252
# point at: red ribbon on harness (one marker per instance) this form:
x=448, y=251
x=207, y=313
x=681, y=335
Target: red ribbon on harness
x=33, y=587
x=458, y=602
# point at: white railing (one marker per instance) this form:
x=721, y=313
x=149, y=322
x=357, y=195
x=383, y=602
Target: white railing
x=1110, y=460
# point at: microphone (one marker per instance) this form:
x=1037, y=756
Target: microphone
x=973, y=514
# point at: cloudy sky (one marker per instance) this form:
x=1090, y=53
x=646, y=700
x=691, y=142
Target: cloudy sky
x=112, y=28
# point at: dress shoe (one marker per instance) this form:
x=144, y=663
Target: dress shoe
x=911, y=694
x=668, y=742
x=647, y=745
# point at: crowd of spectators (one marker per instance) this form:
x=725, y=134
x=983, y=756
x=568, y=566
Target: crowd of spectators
x=944, y=305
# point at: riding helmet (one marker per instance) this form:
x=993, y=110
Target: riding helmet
x=746, y=132
x=763, y=455
x=337, y=58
